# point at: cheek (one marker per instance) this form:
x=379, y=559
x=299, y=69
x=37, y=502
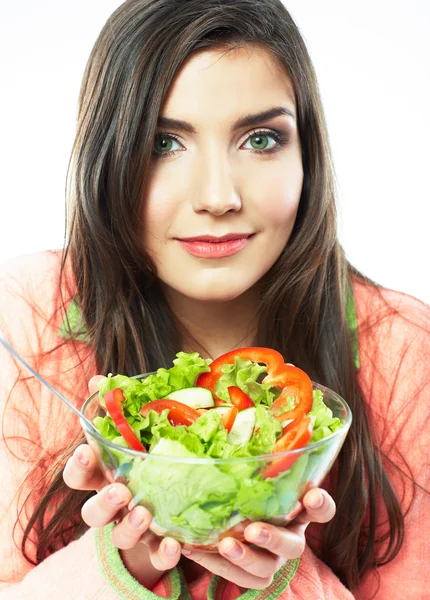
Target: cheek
x=277, y=195
x=159, y=209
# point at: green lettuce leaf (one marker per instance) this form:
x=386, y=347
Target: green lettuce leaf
x=203, y=518
x=106, y=427
x=200, y=496
x=288, y=483
x=131, y=388
x=218, y=446
x=257, y=499
x=207, y=426
x=267, y=430
x=163, y=429
x=325, y=424
x=119, y=461
x=244, y=374
x=187, y=367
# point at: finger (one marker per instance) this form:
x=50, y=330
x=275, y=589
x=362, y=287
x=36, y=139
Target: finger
x=217, y=564
x=128, y=532
x=103, y=508
x=150, y=539
x=253, y=560
x=281, y=541
x=82, y=472
x=93, y=383
x=319, y=508
x=164, y=554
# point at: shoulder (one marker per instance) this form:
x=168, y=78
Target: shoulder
x=34, y=272
x=394, y=347
x=32, y=304
x=30, y=288
x=390, y=324
x=378, y=305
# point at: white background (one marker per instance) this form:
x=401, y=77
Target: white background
x=372, y=61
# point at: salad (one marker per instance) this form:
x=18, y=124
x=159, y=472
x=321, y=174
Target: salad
x=245, y=404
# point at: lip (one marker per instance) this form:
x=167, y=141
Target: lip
x=214, y=238
x=207, y=246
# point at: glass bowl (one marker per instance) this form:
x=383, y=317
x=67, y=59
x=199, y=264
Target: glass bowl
x=198, y=501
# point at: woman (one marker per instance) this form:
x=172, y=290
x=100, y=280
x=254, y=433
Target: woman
x=202, y=217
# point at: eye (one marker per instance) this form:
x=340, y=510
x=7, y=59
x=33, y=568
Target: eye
x=164, y=144
x=265, y=142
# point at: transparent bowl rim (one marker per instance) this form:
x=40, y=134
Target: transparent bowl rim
x=342, y=431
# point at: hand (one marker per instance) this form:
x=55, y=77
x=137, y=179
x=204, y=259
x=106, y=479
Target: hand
x=254, y=567
x=146, y=561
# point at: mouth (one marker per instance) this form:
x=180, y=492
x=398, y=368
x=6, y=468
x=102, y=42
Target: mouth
x=214, y=239
x=209, y=246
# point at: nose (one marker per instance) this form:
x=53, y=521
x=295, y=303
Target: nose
x=215, y=190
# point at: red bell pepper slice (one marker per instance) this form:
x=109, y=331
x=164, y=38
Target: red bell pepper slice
x=294, y=382
x=279, y=375
x=273, y=359
x=179, y=413
x=229, y=418
x=295, y=435
x=238, y=398
x=113, y=400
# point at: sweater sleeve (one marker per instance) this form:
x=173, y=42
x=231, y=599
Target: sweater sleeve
x=394, y=346
x=70, y=573
x=315, y=580
x=395, y=378
x=33, y=430
x=36, y=428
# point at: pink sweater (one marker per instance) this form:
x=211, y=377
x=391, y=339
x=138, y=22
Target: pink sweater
x=395, y=377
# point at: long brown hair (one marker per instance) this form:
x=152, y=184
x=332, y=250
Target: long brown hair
x=302, y=311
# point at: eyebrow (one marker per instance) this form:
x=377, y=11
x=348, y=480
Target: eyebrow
x=248, y=121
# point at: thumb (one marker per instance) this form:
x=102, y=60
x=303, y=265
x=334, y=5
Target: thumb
x=92, y=384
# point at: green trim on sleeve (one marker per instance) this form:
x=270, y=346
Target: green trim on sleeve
x=128, y=588
x=280, y=581
x=351, y=317
x=73, y=326
x=122, y=582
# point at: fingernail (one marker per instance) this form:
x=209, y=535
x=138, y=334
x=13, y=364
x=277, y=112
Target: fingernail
x=114, y=497
x=135, y=519
x=233, y=551
x=186, y=551
x=82, y=459
x=317, y=501
x=260, y=535
x=170, y=549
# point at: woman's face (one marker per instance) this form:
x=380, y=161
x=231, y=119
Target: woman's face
x=226, y=179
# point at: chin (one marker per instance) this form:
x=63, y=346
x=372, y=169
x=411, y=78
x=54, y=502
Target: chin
x=218, y=296
x=213, y=293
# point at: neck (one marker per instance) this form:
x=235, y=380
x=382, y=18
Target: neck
x=213, y=328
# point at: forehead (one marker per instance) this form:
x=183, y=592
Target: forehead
x=220, y=84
